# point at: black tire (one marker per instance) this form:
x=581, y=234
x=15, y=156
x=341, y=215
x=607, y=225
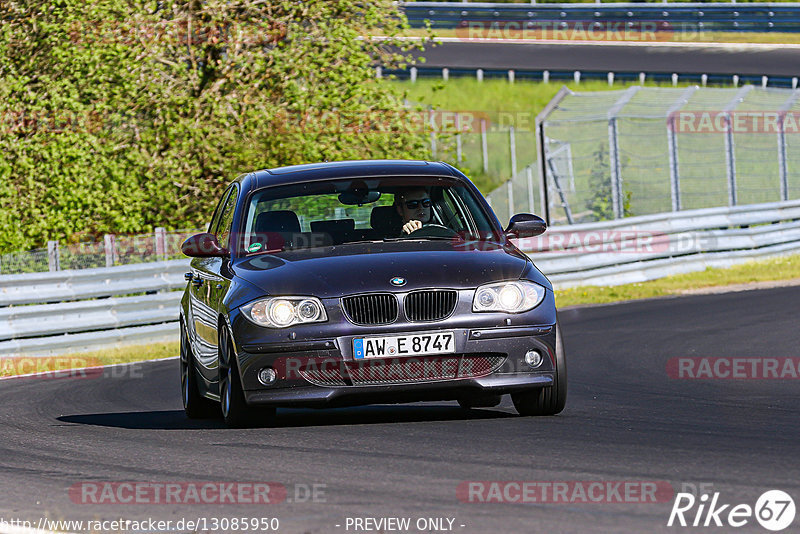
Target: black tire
x=195, y=405
x=235, y=411
x=549, y=400
x=486, y=401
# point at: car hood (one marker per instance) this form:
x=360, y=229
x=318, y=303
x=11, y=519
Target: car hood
x=343, y=270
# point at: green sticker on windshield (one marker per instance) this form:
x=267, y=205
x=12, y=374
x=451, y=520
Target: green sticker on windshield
x=255, y=247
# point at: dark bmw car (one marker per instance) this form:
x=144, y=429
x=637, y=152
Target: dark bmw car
x=362, y=282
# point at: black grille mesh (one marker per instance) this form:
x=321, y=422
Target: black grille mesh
x=417, y=369
x=379, y=308
x=430, y=305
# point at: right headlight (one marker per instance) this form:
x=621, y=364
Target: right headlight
x=512, y=297
x=280, y=312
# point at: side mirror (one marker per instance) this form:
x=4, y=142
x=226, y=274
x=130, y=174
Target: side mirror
x=525, y=225
x=204, y=245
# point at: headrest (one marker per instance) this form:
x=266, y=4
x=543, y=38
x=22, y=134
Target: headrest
x=386, y=220
x=284, y=221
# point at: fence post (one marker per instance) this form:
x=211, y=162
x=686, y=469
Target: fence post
x=109, y=244
x=458, y=137
x=782, y=167
x=413, y=74
x=161, y=242
x=433, y=132
x=613, y=157
x=672, y=144
x=541, y=152
x=617, y=201
x=53, y=256
x=730, y=155
x=512, y=144
x=531, y=202
x=484, y=147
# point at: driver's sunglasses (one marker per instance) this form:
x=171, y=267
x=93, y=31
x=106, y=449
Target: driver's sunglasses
x=414, y=204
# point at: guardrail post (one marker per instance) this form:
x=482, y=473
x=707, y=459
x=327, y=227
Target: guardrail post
x=109, y=242
x=53, y=256
x=445, y=74
x=161, y=242
x=479, y=75
x=413, y=74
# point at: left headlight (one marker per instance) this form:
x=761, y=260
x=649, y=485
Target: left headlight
x=280, y=312
x=512, y=297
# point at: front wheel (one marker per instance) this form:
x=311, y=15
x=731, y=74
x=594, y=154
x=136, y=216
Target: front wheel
x=548, y=400
x=195, y=405
x=235, y=411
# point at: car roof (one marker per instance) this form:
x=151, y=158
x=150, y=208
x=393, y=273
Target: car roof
x=346, y=169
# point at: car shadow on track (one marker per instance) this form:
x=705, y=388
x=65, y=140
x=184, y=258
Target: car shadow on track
x=290, y=417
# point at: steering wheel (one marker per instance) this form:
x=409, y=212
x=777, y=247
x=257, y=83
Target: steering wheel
x=433, y=230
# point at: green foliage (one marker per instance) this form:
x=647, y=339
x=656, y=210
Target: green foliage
x=119, y=116
x=601, y=200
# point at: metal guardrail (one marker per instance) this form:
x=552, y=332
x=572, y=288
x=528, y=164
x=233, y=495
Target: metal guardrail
x=60, y=286
x=695, y=16
x=90, y=309
x=83, y=310
x=643, y=248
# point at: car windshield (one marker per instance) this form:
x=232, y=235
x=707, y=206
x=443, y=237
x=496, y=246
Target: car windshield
x=341, y=212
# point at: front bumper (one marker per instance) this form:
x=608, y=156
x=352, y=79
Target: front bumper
x=494, y=360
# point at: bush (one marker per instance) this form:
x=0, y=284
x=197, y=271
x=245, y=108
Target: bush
x=119, y=117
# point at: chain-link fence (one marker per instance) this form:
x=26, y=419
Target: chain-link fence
x=646, y=150
x=112, y=250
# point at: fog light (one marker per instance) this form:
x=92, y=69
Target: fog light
x=533, y=358
x=267, y=376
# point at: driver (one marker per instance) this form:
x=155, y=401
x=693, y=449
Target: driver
x=414, y=207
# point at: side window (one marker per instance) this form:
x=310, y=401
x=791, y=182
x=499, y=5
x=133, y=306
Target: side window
x=223, y=230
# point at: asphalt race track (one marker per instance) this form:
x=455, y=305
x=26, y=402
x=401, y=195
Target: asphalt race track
x=767, y=60
x=626, y=420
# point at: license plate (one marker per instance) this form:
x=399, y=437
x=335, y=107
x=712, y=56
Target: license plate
x=411, y=345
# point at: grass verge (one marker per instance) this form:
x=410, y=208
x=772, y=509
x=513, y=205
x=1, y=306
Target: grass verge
x=783, y=268
x=11, y=366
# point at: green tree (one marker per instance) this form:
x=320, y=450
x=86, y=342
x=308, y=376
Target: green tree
x=119, y=116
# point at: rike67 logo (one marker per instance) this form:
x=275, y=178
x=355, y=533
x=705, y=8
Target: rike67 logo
x=774, y=510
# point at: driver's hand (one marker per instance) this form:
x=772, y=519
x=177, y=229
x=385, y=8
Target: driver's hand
x=412, y=226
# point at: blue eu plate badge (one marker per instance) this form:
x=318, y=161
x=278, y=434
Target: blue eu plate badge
x=358, y=349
